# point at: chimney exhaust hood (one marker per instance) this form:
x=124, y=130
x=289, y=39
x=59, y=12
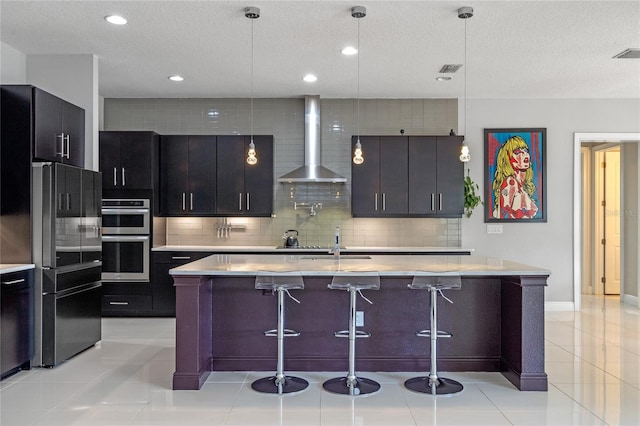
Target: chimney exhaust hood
x=312, y=171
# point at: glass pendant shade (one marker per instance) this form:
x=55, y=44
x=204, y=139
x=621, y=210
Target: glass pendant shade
x=251, y=154
x=357, y=153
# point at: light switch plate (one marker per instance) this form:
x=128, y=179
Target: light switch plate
x=359, y=318
x=494, y=229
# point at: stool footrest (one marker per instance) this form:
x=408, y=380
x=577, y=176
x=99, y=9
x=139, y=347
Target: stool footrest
x=427, y=333
x=287, y=333
x=345, y=333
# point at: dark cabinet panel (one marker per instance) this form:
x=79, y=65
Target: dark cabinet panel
x=244, y=189
x=16, y=321
x=450, y=176
x=201, y=197
x=408, y=176
x=423, y=192
x=163, y=291
x=128, y=159
x=258, y=178
x=379, y=185
x=435, y=176
x=58, y=129
x=365, y=178
x=187, y=175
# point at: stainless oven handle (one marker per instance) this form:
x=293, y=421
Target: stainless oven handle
x=124, y=211
x=125, y=238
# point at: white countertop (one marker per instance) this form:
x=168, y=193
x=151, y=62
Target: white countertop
x=273, y=249
x=6, y=268
x=386, y=265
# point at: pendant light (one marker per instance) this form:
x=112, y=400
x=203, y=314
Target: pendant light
x=252, y=13
x=465, y=13
x=358, y=12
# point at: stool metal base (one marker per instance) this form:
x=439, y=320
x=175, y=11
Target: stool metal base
x=442, y=386
x=290, y=384
x=362, y=386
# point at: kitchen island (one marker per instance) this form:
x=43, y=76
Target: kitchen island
x=497, y=317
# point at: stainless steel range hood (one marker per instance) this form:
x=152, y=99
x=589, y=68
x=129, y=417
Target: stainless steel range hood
x=312, y=171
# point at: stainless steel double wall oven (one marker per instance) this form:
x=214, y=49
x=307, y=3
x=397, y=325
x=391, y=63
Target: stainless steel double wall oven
x=126, y=239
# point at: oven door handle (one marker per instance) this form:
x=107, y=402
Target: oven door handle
x=125, y=211
x=125, y=238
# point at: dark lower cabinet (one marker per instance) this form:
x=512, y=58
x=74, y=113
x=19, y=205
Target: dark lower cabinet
x=16, y=322
x=126, y=299
x=163, y=291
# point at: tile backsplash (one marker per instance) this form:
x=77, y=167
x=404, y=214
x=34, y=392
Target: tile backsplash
x=284, y=119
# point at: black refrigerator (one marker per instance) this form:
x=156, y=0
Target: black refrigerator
x=67, y=252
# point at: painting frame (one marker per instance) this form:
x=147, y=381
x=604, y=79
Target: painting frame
x=520, y=192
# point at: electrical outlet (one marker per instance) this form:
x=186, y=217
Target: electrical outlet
x=494, y=229
x=359, y=318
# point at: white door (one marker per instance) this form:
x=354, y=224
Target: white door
x=612, y=222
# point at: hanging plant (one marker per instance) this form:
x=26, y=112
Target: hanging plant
x=471, y=198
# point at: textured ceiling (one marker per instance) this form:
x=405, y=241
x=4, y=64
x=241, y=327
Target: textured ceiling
x=515, y=49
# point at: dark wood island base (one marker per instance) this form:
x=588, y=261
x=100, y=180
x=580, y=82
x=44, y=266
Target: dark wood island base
x=497, y=324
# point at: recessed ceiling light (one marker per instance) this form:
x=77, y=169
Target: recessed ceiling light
x=443, y=78
x=310, y=78
x=176, y=78
x=349, y=50
x=115, y=19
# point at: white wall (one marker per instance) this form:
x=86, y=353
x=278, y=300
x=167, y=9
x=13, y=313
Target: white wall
x=73, y=78
x=547, y=245
x=629, y=156
x=13, y=65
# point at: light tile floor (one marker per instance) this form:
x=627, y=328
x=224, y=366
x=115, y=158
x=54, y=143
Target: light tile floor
x=592, y=359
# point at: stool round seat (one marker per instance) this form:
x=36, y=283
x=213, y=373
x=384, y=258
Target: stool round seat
x=354, y=283
x=433, y=383
x=281, y=283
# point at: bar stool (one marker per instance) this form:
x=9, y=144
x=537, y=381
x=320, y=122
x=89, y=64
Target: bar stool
x=354, y=283
x=434, y=384
x=280, y=282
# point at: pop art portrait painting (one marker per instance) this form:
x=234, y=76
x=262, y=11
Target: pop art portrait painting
x=515, y=175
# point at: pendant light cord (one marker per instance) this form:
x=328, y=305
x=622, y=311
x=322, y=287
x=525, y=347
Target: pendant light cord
x=358, y=86
x=252, y=80
x=466, y=68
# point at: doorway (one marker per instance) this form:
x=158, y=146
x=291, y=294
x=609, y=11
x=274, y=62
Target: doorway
x=586, y=278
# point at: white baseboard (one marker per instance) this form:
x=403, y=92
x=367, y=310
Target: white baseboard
x=559, y=306
x=630, y=300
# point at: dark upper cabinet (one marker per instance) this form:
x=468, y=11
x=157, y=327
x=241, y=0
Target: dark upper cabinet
x=419, y=176
x=379, y=185
x=58, y=129
x=244, y=189
x=435, y=176
x=127, y=159
x=188, y=175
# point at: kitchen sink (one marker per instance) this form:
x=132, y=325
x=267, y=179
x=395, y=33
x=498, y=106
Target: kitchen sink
x=330, y=256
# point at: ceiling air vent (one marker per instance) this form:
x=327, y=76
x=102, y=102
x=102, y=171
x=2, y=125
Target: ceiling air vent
x=629, y=54
x=450, y=68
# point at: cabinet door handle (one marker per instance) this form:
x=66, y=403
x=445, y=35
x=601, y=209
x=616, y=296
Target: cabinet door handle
x=184, y=201
x=375, y=201
x=21, y=280
x=181, y=257
x=191, y=201
x=60, y=206
x=123, y=180
x=240, y=201
x=68, y=201
x=119, y=303
x=248, y=199
x=67, y=143
x=115, y=176
x=384, y=201
x=61, y=153
x=433, y=199
x=440, y=201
